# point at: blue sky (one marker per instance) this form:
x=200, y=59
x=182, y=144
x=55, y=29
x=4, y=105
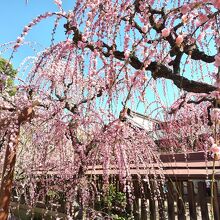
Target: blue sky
x=15, y=14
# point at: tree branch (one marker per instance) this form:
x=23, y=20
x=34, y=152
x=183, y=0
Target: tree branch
x=158, y=70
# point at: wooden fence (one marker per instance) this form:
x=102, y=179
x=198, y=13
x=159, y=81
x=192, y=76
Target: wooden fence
x=180, y=200
x=185, y=195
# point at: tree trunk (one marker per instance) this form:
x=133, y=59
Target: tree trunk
x=7, y=176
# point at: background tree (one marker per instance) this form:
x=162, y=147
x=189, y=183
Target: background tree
x=7, y=76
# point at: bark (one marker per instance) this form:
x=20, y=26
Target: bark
x=9, y=165
x=7, y=179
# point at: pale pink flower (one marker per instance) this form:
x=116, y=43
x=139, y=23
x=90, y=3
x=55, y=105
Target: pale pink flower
x=217, y=60
x=89, y=14
x=216, y=3
x=81, y=45
x=142, y=7
x=217, y=41
x=99, y=43
x=203, y=18
x=88, y=23
x=19, y=40
x=211, y=139
x=145, y=28
x=70, y=32
x=127, y=54
x=184, y=18
x=26, y=29
x=58, y=2
x=165, y=32
x=185, y=9
x=215, y=150
x=10, y=145
x=217, y=84
x=215, y=94
x=215, y=114
x=84, y=38
x=179, y=40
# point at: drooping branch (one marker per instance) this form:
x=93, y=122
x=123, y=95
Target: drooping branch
x=186, y=47
x=157, y=69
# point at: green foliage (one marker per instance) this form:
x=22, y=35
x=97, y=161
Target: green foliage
x=115, y=198
x=113, y=203
x=7, y=73
x=7, y=68
x=52, y=194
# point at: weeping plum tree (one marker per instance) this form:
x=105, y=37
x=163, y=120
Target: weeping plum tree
x=69, y=113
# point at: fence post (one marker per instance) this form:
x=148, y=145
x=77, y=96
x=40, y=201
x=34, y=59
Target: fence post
x=149, y=194
x=144, y=206
x=215, y=202
x=161, y=199
x=128, y=201
x=180, y=201
x=137, y=194
x=203, y=200
x=152, y=201
x=170, y=201
x=191, y=200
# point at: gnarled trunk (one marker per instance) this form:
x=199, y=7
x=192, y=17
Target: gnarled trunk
x=7, y=176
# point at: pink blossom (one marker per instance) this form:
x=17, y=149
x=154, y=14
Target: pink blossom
x=58, y=2
x=216, y=3
x=211, y=139
x=81, y=44
x=201, y=37
x=184, y=18
x=127, y=54
x=141, y=7
x=70, y=32
x=19, y=40
x=217, y=84
x=217, y=60
x=215, y=94
x=215, y=150
x=89, y=14
x=88, y=23
x=84, y=38
x=203, y=18
x=145, y=28
x=217, y=41
x=185, y=9
x=26, y=29
x=99, y=43
x=165, y=32
x=179, y=40
x=215, y=114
